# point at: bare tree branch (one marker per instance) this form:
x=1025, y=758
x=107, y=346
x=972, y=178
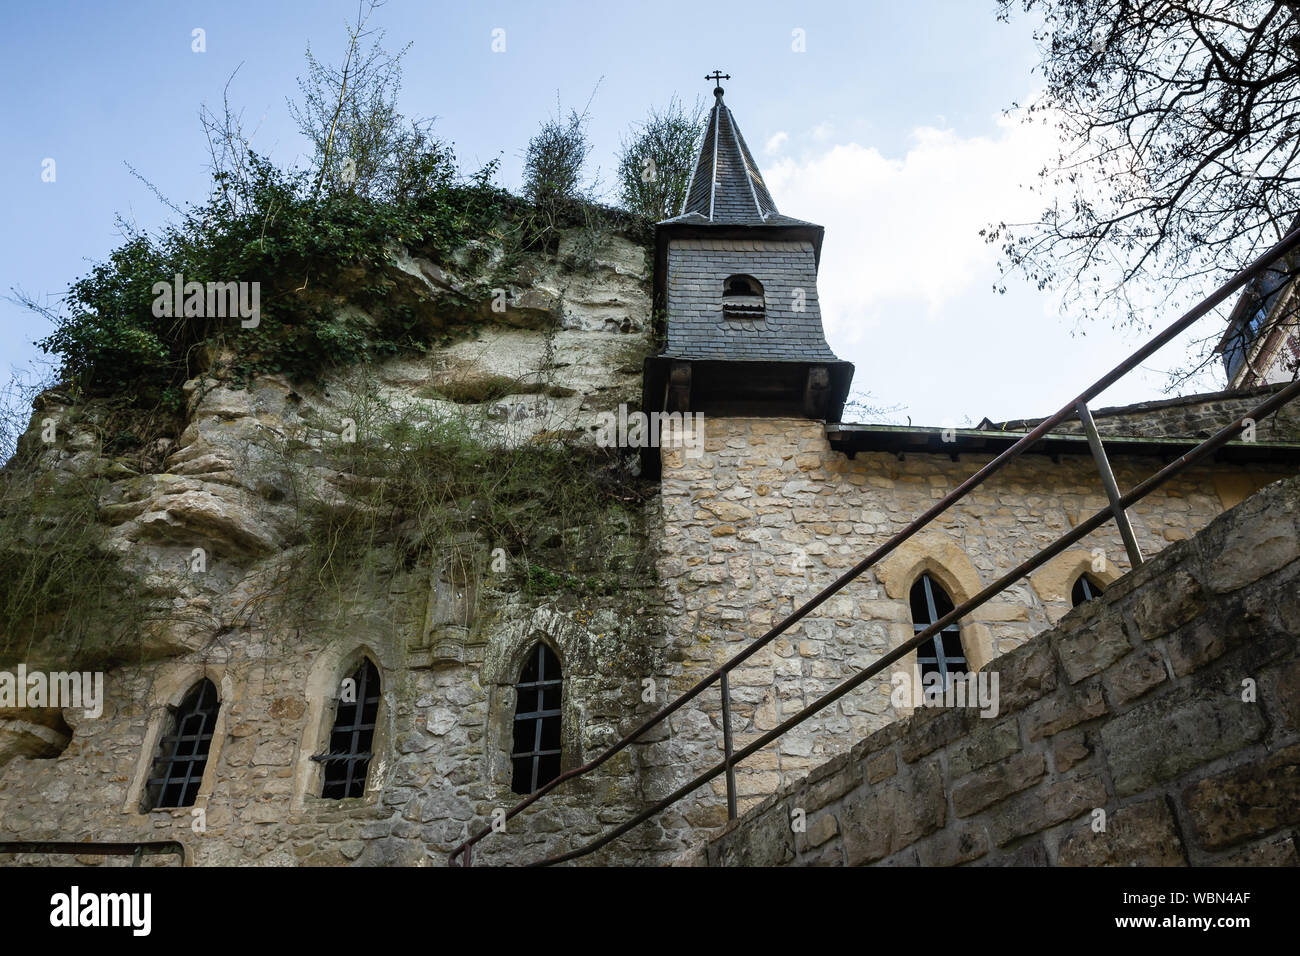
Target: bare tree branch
x=1180, y=131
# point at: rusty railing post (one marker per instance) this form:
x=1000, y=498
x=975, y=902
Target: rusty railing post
x=726, y=747
x=1112, y=488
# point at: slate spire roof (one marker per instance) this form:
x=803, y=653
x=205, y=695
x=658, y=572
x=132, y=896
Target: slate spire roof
x=726, y=187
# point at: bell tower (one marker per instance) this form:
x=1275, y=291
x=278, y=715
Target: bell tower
x=737, y=284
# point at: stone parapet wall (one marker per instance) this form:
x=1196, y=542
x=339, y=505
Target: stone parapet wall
x=1156, y=726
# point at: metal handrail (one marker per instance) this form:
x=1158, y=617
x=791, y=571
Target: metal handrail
x=1077, y=407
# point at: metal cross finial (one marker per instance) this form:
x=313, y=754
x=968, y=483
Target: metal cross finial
x=717, y=76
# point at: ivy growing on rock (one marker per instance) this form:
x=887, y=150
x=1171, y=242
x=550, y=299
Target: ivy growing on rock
x=424, y=488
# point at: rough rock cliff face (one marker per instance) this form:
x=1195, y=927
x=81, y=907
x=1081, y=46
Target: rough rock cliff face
x=560, y=347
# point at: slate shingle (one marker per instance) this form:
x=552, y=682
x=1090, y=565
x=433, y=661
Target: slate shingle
x=697, y=329
x=727, y=187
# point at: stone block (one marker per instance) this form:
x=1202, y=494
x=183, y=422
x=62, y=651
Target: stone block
x=953, y=845
x=879, y=821
x=1070, y=748
x=1167, y=604
x=828, y=783
x=881, y=766
x=1211, y=637
x=820, y=829
x=931, y=728
x=1260, y=540
x=764, y=841
x=1135, y=675
x=987, y=787
x=1025, y=675
x=1062, y=711
x=728, y=511
x=1162, y=738
x=1046, y=806
x=1246, y=802
x=983, y=746
x=1093, y=647
x=756, y=783
x=1143, y=834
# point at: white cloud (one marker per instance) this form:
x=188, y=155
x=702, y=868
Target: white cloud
x=822, y=132
x=906, y=280
x=775, y=143
x=906, y=231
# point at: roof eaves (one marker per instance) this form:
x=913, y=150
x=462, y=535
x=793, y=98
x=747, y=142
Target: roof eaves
x=972, y=440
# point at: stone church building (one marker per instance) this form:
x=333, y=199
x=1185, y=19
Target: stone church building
x=391, y=738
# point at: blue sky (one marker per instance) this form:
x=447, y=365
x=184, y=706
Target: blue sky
x=887, y=129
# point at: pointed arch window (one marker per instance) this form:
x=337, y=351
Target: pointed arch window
x=944, y=655
x=742, y=297
x=352, y=737
x=182, y=756
x=537, y=750
x=1085, y=589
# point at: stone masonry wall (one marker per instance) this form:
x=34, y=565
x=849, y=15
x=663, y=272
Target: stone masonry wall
x=1171, y=705
x=441, y=766
x=769, y=514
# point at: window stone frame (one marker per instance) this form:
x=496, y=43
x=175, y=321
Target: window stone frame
x=332, y=666
x=507, y=653
x=168, y=689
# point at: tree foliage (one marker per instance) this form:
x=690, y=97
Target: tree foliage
x=363, y=145
x=1178, y=122
x=554, y=159
x=654, y=166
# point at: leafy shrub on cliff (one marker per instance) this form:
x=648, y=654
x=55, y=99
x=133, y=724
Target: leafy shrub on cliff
x=654, y=165
x=554, y=160
x=308, y=254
